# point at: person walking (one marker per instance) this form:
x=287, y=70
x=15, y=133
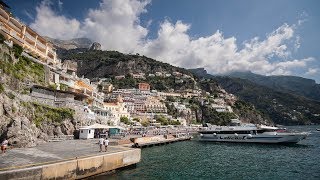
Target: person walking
x=4, y=145
x=101, y=142
x=106, y=143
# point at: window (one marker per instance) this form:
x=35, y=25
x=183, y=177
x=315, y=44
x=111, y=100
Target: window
x=89, y=131
x=81, y=131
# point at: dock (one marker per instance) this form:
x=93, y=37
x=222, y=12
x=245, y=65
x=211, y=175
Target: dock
x=72, y=159
x=158, y=140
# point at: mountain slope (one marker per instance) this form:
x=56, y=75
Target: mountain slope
x=108, y=64
x=289, y=84
x=281, y=107
x=92, y=64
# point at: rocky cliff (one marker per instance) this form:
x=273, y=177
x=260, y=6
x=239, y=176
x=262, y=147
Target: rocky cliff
x=95, y=47
x=23, y=121
x=25, y=124
x=289, y=84
x=279, y=105
x=70, y=44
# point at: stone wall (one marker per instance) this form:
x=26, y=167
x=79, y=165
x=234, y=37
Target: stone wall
x=78, y=168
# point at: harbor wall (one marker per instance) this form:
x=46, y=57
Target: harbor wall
x=76, y=168
x=149, y=139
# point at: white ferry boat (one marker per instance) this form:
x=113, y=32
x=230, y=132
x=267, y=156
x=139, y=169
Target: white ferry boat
x=250, y=134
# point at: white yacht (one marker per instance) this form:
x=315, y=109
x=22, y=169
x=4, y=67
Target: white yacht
x=250, y=134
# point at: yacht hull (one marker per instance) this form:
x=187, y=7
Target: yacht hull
x=285, y=138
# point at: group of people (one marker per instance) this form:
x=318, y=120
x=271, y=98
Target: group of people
x=4, y=145
x=103, y=143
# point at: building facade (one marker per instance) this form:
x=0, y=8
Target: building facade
x=18, y=33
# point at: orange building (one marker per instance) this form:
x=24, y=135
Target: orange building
x=20, y=34
x=144, y=87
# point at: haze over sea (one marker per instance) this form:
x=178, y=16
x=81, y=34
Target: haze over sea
x=207, y=160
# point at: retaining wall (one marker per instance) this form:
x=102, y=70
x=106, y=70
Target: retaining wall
x=77, y=168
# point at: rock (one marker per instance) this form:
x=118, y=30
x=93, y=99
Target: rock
x=7, y=106
x=67, y=128
x=1, y=109
x=47, y=129
x=43, y=137
x=22, y=133
x=95, y=46
x=57, y=131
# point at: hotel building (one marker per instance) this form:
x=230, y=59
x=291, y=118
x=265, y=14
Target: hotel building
x=17, y=33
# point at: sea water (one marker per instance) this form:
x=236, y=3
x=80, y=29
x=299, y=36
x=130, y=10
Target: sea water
x=211, y=160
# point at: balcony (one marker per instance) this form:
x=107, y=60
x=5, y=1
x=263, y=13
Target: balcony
x=3, y=19
x=3, y=16
x=68, y=83
x=29, y=36
x=14, y=27
x=30, y=45
x=4, y=28
x=51, y=51
x=16, y=36
x=41, y=45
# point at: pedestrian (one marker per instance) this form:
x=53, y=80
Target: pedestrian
x=4, y=145
x=106, y=143
x=101, y=141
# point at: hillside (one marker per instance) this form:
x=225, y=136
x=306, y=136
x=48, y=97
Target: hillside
x=281, y=107
x=289, y=84
x=70, y=44
x=112, y=63
x=108, y=64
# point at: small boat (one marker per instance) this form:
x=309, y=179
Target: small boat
x=250, y=134
x=318, y=129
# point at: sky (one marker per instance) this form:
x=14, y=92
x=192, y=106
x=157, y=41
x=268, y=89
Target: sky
x=274, y=37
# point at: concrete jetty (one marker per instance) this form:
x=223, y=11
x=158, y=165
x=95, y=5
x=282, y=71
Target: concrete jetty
x=142, y=142
x=74, y=159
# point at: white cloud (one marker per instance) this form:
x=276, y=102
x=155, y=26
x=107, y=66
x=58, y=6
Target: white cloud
x=60, y=5
x=116, y=25
x=313, y=71
x=219, y=54
x=48, y=23
x=28, y=15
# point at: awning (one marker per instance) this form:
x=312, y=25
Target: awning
x=101, y=126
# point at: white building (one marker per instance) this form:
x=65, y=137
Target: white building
x=86, y=133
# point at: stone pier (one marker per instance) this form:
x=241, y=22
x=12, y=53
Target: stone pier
x=65, y=163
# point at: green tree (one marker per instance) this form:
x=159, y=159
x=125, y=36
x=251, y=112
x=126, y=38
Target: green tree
x=145, y=123
x=162, y=120
x=124, y=120
x=17, y=50
x=136, y=119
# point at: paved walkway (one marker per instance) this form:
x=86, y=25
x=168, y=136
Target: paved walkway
x=52, y=152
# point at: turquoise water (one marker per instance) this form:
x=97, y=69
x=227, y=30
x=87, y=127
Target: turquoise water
x=208, y=160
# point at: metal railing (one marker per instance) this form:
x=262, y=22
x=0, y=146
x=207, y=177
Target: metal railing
x=29, y=36
x=13, y=26
x=41, y=45
x=3, y=28
x=16, y=37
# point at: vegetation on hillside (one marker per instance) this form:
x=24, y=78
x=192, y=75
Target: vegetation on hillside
x=165, y=121
x=19, y=68
x=156, y=83
x=43, y=113
x=282, y=108
x=112, y=63
x=125, y=120
x=287, y=84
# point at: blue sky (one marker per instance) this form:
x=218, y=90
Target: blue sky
x=275, y=37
